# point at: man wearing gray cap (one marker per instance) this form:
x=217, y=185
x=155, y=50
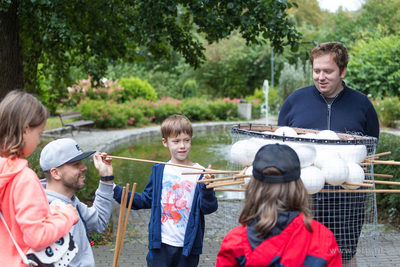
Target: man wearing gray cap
x=61, y=161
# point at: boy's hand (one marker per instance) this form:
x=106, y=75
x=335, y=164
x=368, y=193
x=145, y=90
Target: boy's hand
x=208, y=176
x=103, y=164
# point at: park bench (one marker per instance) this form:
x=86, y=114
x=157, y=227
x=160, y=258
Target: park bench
x=75, y=124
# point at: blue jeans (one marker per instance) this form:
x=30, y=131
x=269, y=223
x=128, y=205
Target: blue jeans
x=169, y=256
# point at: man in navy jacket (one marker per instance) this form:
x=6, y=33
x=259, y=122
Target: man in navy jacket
x=330, y=105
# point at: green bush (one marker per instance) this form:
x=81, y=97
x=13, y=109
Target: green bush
x=388, y=110
x=374, y=67
x=386, y=202
x=189, y=88
x=294, y=77
x=109, y=114
x=136, y=88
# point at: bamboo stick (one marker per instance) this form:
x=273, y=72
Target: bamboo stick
x=158, y=162
x=361, y=191
x=209, y=171
x=127, y=215
x=120, y=222
x=359, y=184
x=224, y=178
x=380, y=154
x=382, y=182
x=213, y=185
x=376, y=162
x=230, y=189
x=379, y=175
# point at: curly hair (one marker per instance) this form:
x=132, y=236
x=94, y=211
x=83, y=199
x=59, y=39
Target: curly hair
x=336, y=49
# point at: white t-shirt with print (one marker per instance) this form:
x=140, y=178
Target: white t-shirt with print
x=176, y=203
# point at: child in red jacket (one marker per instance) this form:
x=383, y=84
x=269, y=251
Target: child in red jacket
x=277, y=229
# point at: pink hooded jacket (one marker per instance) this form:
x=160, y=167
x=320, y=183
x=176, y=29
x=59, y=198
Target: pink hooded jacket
x=26, y=211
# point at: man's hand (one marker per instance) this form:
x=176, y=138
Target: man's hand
x=208, y=176
x=103, y=164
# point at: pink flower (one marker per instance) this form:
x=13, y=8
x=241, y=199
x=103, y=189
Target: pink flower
x=236, y=100
x=132, y=118
x=95, y=112
x=109, y=115
x=163, y=98
x=105, y=113
x=130, y=122
x=149, y=101
x=228, y=112
x=62, y=100
x=177, y=102
x=153, y=117
x=155, y=104
x=99, y=107
x=256, y=101
x=126, y=107
x=142, y=106
x=179, y=112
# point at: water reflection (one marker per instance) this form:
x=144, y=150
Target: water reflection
x=208, y=147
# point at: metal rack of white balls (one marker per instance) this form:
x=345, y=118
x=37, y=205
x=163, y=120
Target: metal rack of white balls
x=326, y=157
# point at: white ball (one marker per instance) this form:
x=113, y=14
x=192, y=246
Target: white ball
x=285, y=131
x=356, y=175
x=306, y=153
x=335, y=171
x=353, y=153
x=310, y=135
x=328, y=134
x=325, y=154
x=313, y=179
x=239, y=153
x=253, y=145
x=249, y=171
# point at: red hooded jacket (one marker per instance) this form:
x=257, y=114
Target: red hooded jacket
x=294, y=246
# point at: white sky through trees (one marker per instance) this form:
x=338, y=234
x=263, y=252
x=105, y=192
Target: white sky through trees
x=333, y=5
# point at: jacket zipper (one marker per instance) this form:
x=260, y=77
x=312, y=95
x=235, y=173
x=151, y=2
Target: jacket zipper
x=329, y=110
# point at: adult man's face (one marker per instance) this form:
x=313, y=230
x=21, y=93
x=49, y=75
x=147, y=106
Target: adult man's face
x=72, y=175
x=327, y=76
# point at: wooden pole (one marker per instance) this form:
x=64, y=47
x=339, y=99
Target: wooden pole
x=157, y=162
x=361, y=191
x=212, y=185
x=119, y=229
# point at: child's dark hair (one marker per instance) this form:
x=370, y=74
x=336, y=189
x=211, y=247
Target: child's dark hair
x=18, y=110
x=175, y=125
x=264, y=200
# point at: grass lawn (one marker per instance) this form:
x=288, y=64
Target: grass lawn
x=53, y=122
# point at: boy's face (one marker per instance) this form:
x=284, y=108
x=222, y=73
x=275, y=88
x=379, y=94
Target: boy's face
x=179, y=146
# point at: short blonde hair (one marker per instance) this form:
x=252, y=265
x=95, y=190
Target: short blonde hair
x=17, y=111
x=175, y=125
x=264, y=200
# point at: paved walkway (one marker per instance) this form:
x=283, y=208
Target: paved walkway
x=134, y=251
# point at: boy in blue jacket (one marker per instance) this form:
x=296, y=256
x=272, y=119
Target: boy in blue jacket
x=177, y=202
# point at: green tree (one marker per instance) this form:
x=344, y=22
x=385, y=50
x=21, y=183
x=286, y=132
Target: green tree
x=90, y=34
x=374, y=67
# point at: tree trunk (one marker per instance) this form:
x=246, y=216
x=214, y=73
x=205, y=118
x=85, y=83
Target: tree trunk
x=11, y=67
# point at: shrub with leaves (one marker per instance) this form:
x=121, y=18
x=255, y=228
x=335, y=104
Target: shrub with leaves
x=385, y=202
x=109, y=114
x=136, y=88
x=83, y=89
x=294, y=77
x=374, y=66
x=388, y=110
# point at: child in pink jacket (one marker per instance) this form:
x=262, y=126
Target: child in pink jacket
x=23, y=202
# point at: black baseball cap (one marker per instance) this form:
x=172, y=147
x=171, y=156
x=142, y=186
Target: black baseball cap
x=282, y=157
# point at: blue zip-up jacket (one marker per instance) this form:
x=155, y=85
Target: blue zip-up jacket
x=350, y=112
x=204, y=202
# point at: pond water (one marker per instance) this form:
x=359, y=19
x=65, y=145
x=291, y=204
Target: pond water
x=208, y=147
